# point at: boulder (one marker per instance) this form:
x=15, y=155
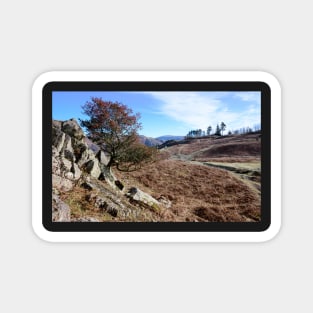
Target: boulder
x=140, y=196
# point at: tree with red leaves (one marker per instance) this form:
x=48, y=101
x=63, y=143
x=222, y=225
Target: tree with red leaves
x=111, y=125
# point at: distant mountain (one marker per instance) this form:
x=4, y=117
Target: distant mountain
x=149, y=141
x=170, y=137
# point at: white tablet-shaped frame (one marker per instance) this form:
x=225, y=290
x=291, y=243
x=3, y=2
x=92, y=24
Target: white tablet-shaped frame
x=224, y=235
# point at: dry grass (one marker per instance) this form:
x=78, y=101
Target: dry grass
x=82, y=204
x=197, y=192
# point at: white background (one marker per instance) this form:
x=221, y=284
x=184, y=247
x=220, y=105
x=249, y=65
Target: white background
x=38, y=36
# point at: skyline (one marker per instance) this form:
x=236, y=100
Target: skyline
x=170, y=113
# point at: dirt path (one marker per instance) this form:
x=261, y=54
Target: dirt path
x=249, y=173
x=181, y=157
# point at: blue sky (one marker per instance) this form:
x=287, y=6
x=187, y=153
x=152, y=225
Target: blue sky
x=171, y=113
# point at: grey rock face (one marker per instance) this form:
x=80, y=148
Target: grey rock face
x=76, y=171
x=104, y=158
x=85, y=155
x=58, y=138
x=92, y=167
x=67, y=149
x=107, y=175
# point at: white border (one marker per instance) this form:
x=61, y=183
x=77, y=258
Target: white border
x=156, y=236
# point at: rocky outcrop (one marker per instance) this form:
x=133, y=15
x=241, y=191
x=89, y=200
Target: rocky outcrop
x=74, y=163
x=71, y=156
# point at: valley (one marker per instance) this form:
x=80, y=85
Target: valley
x=206, y=179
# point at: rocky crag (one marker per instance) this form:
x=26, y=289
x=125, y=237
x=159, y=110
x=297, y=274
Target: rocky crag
x=78, y=164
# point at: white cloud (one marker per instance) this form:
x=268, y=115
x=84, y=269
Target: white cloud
x=249, y=96
x=199, y=110
x=194, y=109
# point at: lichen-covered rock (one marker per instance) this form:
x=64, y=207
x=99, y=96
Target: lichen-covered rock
x=66, y=165
x=62, y=183
x=140, y=196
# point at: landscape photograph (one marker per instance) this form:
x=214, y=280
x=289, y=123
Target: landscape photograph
x=160, y=156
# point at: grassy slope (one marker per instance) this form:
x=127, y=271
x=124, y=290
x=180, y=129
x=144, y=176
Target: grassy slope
x=197, y=192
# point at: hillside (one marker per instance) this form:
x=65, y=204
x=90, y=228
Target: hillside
x=208, y=179
x=196, y=192
x=237, y=148
x=169, y=137
x=151, y=142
